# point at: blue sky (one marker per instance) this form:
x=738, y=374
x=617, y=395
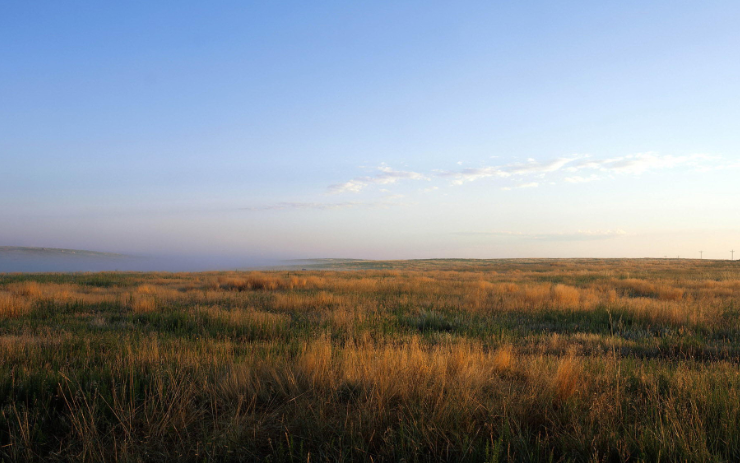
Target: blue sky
x=371, y=129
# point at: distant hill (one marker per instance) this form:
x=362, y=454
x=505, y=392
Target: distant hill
x=31, y=259
x=476, y=265
x=46, y=252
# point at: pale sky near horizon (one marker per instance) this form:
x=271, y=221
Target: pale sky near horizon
x=372, y=129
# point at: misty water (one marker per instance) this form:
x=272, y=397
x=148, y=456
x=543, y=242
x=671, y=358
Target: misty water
x=61, y=263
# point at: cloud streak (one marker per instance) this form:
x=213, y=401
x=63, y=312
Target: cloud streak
x=531, y=167
x=573, y=169
x=281, y=206
x=640, y=163
x=473, y=174
x=384, y=177
x=633, y=164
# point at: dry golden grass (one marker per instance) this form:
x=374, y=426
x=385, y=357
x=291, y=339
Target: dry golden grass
x=565, y=295
x=13, y=305
x=139, y=303
x=265, y=281
x=25, y=289
x=302, y=301
x=567, y=377
x=503, y=358
x=146, y=289
x=591, y=361
x=268, y=323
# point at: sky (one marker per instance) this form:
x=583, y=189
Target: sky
x=378, y=130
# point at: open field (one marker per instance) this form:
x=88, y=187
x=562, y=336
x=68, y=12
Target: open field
x=455, y=360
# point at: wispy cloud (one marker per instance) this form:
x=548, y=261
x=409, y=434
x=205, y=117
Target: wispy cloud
x=642, y=162
x=633, y=164
x=472, y=174
x=531, y=167
x=384, y=177
x=532, y=173
x=580, y=235
x=317, y=206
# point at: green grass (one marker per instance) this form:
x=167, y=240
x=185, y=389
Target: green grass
x=441, y=360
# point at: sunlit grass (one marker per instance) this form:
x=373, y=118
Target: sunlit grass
x=420, y=360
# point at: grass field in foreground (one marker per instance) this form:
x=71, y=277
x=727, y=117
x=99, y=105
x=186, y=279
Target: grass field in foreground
x=454, y=360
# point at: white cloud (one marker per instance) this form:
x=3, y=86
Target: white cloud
x=633, y=164
x=386, y=176
x=531, y=167
x=471, y=174
x=642, y=162
x=544, y=172
x=534, y=167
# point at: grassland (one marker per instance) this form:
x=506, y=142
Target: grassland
x=454, y=360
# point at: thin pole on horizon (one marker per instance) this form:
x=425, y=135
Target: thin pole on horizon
x=701, y=254
x=732, y=255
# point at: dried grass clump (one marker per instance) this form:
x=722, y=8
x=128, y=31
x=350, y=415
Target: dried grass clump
x=357, y=285
x=537, y=295
x=233, y=284
x=259, y=322
x=26, y=289
x=266, y=282
x=503, y=358
x=18, y=347
x=637, y=288
x=315, y=363
x=305, y=282
x=57, y=292
x=565, y=295
x=509, y=287
x=146, y=289
x=13, y=306
x=254, y=281
x=478, y=294
x=567, y=378
x=141, y=303
x=346, y=319
x=674, y=313
x=302, y=302
x=669, y=293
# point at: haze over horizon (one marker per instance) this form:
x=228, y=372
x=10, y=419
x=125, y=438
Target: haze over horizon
x=401, y=130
